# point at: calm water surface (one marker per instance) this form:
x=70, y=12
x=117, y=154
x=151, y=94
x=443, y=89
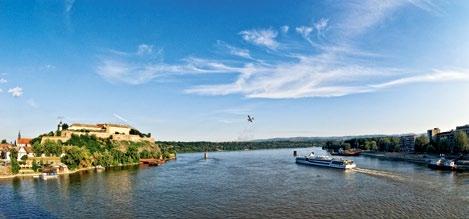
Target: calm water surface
x=246, y=184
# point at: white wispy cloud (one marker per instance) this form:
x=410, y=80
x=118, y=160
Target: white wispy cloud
x=3, y=81
x=285, y=28
x=244, y=53
x=360, y=15
x=320, y=26
x=68, y=6
x=138, y=68
x=310, y=76
x=16, y=91
x=261, y=37
x=305, y=31
x=144, y=49
x=435, y=76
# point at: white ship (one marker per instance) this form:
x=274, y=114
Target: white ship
x=326, y=161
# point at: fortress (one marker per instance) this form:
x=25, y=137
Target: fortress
x=116, y=132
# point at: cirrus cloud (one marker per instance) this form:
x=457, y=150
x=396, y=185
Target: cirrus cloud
x=261, y=37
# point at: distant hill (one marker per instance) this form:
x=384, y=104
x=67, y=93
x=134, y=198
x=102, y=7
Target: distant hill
x=330, y=138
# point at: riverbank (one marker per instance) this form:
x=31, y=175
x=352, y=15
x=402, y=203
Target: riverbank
x=28, y=175
x=396, y=156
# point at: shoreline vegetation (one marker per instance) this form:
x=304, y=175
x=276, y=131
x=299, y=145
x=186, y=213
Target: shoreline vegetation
x=81, y=151
x=28, y=175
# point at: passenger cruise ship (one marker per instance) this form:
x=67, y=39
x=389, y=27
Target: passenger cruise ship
x=325, y=161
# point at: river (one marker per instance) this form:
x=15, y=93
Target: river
x=243, y=184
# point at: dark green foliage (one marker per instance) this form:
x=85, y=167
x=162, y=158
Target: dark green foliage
x=4, y=141
x=35, y=166
x=49, y=148
x=421, y=143
x=181, y=147
x=150, y=154
x=75, y=157
x=90, y=142
x=132, y=153
x=15, y=166
x=137, y=132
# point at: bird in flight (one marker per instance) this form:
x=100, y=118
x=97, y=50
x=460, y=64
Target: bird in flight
x=250, y=119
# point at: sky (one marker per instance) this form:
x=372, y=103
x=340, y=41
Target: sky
x=193, y=70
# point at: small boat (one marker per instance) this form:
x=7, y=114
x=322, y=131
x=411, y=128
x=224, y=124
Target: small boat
x=442, y=164
x=46, y=176
x=326, y=161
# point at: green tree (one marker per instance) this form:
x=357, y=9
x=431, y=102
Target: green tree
x=421, y=143
x=145, y=154
x=15, y=166
x=35, y=166
x=76, y=157
x=461, y=142
x=371, y=145
x=346, y=146
x=106, y=159
x=132, y=154
x=38, y=149
x=4, y=141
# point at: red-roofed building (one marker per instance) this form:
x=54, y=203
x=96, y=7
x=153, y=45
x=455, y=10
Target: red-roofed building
x=23, y=146
x=25, y=142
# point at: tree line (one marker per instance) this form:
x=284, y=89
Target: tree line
x=458, y=143
x=201, y=146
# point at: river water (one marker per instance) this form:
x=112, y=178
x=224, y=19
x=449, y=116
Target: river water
x=244, y=184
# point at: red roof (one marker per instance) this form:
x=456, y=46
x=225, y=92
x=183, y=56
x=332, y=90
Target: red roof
x=5, y=147
x=24, y=141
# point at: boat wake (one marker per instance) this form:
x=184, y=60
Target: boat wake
x=379, y=173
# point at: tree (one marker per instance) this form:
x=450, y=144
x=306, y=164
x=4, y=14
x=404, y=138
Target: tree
x=461, y=142
x=15, y=167
x=132, y=153
x=4, y=141
x=64, y=126
x=346, y=146
x=106, y=159
x=38, y=149
x=51, y=148
x=421, y=143
x=371, y=145
x=76, y=157
x=35, y=166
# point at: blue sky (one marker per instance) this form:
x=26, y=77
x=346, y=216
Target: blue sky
x=193, y=70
